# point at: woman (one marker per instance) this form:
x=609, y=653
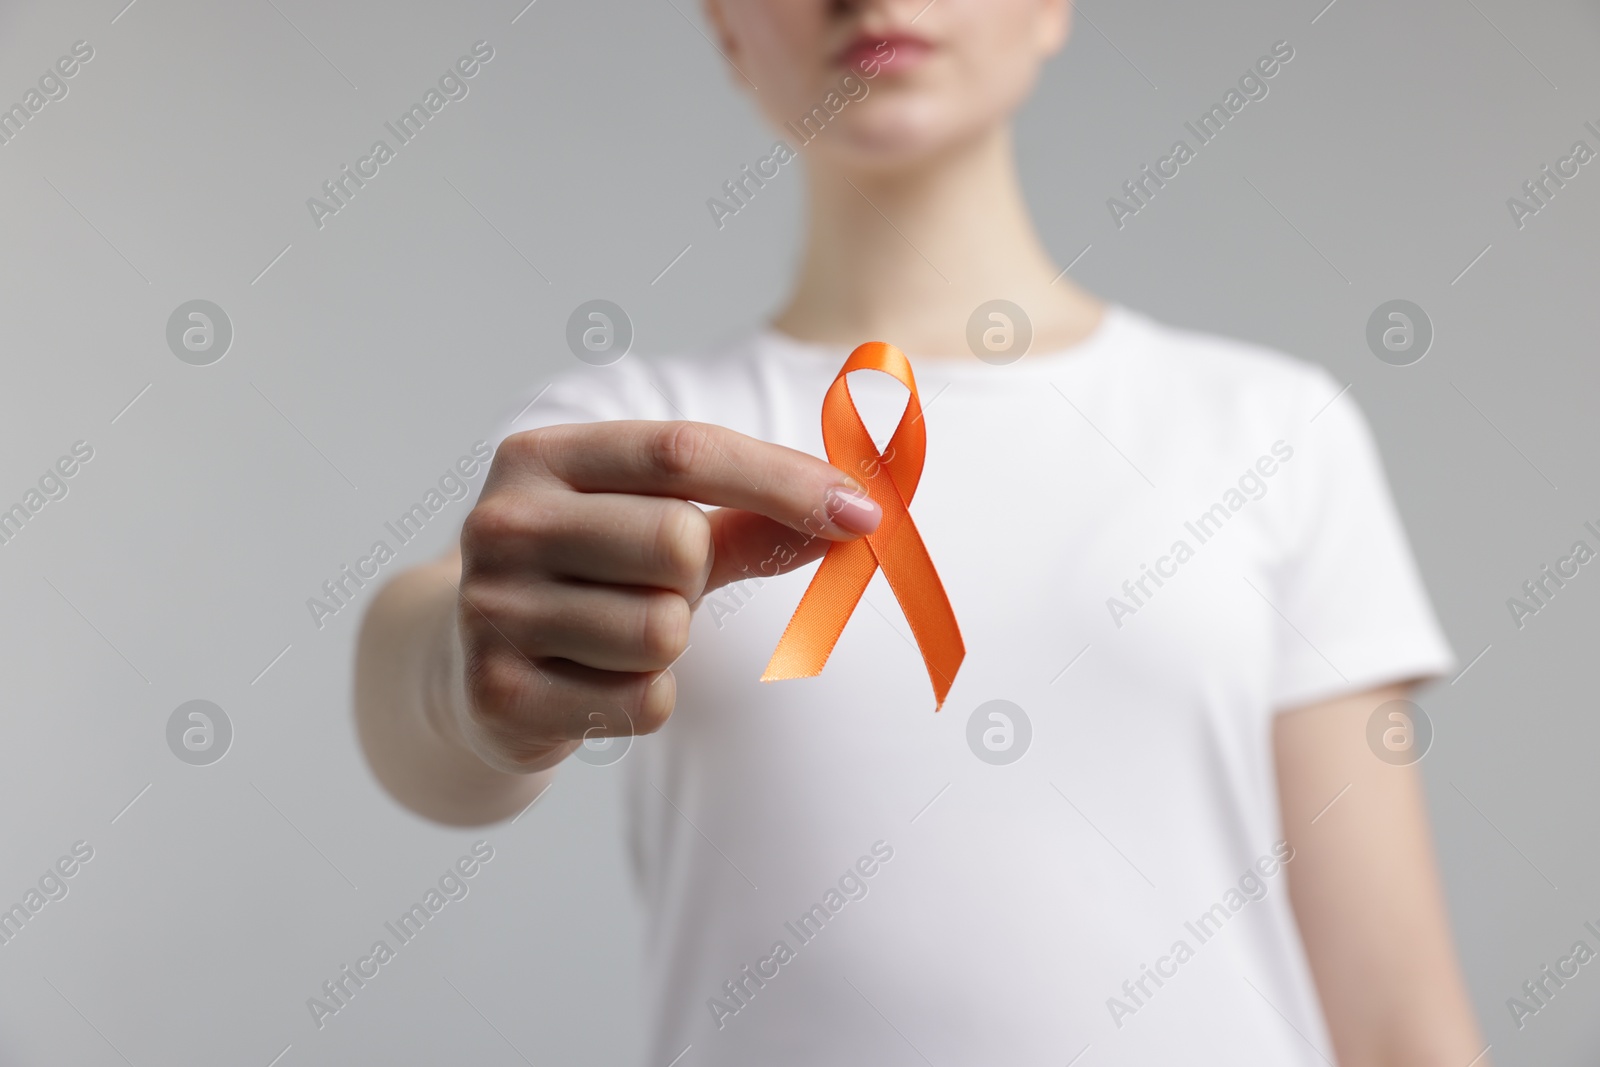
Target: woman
x=1174, y=562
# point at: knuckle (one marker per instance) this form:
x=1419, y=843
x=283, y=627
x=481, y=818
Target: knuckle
x=675, y=447
x=682, y=543
x=665, y=627
x=489, y=525
x=474, y=609
x=525, y=448
x=502, y=524
x=495, y=686
x=655, y=704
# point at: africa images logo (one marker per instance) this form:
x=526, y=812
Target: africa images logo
x=342, y=188
x=1251, y=887
x=739, y=991
x=1252, y=85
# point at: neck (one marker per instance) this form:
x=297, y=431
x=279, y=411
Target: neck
x=906, y=256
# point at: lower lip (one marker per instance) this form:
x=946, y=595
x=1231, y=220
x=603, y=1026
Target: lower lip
x=865, y=57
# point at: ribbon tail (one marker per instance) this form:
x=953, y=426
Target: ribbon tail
x=835, y=590
x=916, y=585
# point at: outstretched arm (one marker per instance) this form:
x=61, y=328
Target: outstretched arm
x=410, y=702
x=570, y=599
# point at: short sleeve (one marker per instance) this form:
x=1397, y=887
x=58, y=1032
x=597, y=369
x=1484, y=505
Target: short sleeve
x=1348, y=586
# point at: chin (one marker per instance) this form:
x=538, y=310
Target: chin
x=896, y=136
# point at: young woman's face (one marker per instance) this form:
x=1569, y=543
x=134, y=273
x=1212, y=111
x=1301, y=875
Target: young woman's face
x=860, y=82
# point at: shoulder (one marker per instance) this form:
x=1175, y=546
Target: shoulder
x=1207, y=403
x=1224, y=375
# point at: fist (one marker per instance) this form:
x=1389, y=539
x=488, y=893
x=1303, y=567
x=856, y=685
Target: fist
x=587, y=553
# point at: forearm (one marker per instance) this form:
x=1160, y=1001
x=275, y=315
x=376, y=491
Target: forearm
x=409, y=700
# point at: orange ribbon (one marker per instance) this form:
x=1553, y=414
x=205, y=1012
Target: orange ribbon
x=848, y=566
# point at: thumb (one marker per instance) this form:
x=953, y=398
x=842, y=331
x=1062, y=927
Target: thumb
x=746, y=545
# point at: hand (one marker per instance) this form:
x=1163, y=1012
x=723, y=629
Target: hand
x=584, y=559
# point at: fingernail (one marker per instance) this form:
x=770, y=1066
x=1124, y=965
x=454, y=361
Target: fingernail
x=853, y=511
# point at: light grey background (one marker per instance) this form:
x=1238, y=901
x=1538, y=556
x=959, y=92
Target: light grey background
x=378, y=349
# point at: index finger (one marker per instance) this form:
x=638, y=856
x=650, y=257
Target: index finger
x=712, y=465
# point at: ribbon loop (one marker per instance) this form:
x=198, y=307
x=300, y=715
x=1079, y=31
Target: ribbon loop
x=890, y=478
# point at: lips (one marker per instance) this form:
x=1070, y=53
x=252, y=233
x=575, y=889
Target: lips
x=889, y=53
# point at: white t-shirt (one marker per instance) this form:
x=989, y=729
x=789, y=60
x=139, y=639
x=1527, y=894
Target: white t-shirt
x=834, y=873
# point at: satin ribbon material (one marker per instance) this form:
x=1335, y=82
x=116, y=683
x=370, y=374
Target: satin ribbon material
x=890, y=477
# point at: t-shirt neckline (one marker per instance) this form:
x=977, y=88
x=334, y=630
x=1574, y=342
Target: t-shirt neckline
x=1103, y=338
